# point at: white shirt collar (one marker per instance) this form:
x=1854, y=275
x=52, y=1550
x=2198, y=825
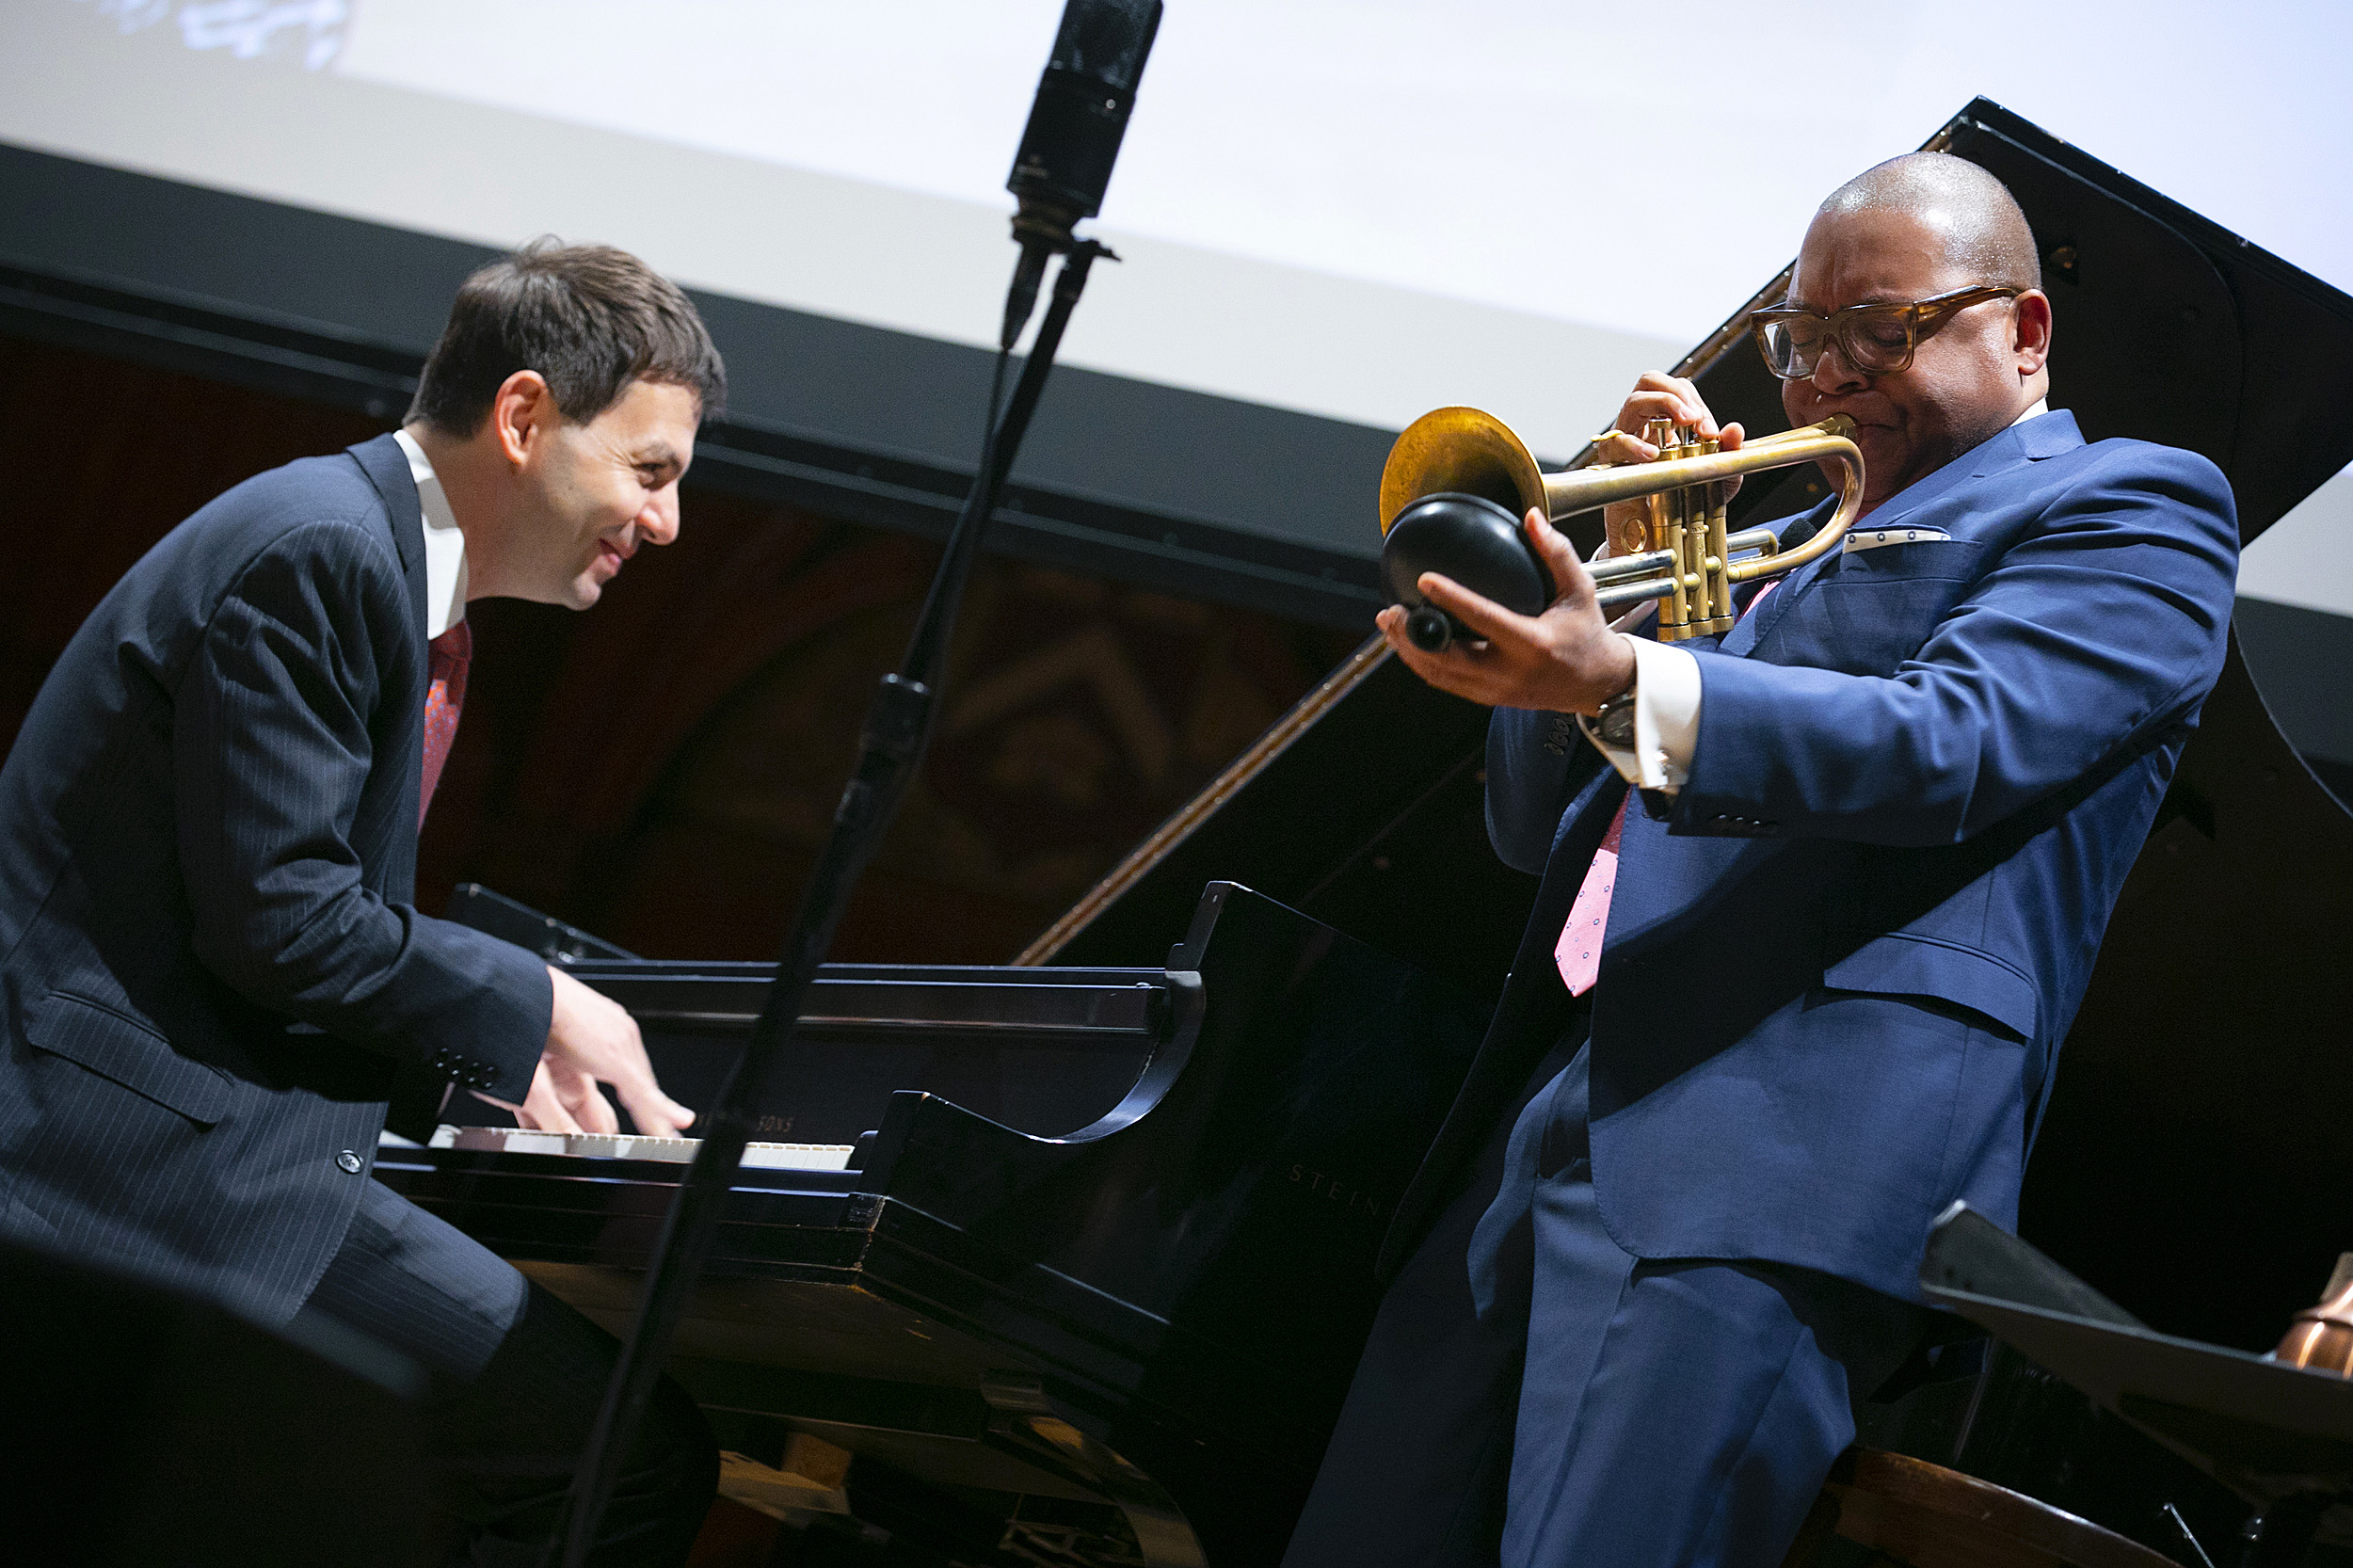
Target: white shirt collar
x=2041, y=406
x=444, y=544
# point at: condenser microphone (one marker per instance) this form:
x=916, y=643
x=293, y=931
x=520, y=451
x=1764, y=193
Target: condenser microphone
x=1073, y=137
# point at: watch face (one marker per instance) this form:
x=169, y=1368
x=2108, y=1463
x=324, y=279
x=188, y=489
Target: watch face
x=1615, y=725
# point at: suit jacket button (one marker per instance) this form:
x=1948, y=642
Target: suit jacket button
x=349, y=1161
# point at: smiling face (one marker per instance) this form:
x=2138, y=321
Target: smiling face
x=1975, y=371
x=593, y=491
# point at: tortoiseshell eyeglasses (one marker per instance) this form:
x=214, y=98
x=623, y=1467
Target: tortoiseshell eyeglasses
x=1877, y=339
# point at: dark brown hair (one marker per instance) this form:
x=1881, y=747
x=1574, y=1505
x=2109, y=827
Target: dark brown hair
x=589, y=318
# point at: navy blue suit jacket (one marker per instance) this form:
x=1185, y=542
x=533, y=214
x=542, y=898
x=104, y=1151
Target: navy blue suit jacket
x=210, y=965
x=1836, y=975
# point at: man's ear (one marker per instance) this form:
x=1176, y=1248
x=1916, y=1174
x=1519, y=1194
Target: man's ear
x=519, y=409
x=2030, y=331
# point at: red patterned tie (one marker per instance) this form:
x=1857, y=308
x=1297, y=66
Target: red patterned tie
x=446, y=659
x=1577, y=953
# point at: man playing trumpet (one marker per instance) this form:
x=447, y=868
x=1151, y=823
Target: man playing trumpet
x=1765, y=1025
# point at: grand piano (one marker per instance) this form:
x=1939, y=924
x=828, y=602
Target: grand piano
x=1072, y=1257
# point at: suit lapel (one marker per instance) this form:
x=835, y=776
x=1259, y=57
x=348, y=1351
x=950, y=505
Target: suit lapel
x=1753, y=626
x=2047, y=436
x=387, y=468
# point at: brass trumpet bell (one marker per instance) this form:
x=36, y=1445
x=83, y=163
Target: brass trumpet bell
x=1450, y=466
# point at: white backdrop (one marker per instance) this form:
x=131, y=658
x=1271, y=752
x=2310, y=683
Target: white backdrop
x=1520, y=153
x=1359, y=208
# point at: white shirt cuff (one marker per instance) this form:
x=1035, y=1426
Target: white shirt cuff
x=1666, y=718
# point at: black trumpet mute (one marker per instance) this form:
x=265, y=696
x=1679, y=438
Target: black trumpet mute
x=1472, y=540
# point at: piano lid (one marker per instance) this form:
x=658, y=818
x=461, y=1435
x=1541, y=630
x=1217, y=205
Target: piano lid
x=2196, y=1117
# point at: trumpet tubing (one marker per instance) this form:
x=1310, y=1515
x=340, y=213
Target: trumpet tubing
x=1689, y=561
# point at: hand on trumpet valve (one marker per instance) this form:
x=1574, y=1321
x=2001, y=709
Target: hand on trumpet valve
x=1565, y=660
x=1655, y=396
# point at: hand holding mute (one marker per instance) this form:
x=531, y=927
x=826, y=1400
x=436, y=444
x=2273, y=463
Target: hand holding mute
x=1565, y=658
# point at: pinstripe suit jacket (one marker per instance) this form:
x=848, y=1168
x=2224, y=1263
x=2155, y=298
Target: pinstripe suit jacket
x=210, y=965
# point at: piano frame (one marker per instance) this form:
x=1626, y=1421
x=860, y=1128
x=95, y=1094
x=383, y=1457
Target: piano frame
x=1154, y=1317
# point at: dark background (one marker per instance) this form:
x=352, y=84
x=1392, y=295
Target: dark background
x=660, y=769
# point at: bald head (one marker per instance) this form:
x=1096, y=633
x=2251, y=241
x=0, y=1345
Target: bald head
x=1919, y=228
x=1979, y=222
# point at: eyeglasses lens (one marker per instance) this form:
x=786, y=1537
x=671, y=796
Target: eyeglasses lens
x=1793, y=344
x=1877, y=339
x=1872, y=341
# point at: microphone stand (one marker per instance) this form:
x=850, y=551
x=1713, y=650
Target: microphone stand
x=897, y=731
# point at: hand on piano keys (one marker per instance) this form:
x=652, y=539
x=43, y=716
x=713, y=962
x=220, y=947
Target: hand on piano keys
x=592, y=1040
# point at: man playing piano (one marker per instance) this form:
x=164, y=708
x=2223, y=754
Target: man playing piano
x=1767, y=1024
x=212, y=971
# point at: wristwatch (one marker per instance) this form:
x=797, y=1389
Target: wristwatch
x=1613, y=721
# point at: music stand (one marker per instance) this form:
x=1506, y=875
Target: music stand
x=2279, y=1436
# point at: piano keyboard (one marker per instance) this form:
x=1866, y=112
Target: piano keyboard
x=619, y=1145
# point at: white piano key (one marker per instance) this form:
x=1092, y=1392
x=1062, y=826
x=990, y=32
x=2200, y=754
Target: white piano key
x=799, y=1157
x=620, y=1145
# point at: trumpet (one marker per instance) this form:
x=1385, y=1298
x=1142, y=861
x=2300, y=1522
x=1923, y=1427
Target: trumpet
x=1458, y=481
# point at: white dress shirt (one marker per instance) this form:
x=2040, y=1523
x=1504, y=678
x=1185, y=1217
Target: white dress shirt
x=1667, y=694
x=444, y=544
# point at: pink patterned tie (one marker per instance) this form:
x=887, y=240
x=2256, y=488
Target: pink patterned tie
x=446, y=659
x=1577, y=953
